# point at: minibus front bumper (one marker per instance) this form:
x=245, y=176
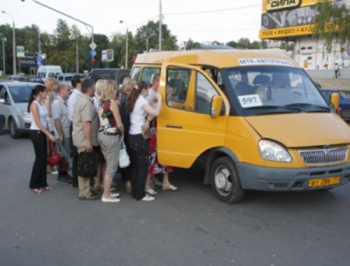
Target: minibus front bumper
x=293, y=179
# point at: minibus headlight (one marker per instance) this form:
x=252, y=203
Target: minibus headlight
x=272, y=151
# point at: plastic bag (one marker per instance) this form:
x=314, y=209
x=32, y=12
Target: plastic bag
x=124, y=160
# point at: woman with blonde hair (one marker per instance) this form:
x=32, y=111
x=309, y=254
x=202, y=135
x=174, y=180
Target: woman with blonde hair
x=51, y=88
x=101, y=165
x=110, y=133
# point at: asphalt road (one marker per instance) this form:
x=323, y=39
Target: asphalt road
x=188, y=227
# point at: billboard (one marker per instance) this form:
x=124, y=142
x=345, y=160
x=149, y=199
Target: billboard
x=281, y=19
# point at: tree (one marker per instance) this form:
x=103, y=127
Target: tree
x=190, y=44
x=147, y=37
x=118, y=45
x=255, y=45
x=232, y=44
x=6, y=32
x=332, y=22
x=244, y=43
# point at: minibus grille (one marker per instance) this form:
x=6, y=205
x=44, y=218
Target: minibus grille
x=324, y=156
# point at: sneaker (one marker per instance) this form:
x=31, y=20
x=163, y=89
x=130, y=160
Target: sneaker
x=113, y=200
x=115, y=195
x=148, y=198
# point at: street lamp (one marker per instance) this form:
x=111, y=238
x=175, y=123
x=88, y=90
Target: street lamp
x=3, y=54
x=82, y=22
x=126, y=44
x=13, y=41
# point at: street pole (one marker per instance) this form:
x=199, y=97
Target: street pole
x=60, y=12
x=13, y=43
x=77, y=57
x=126, y=48
x=160, y=25
x=126, y=44
x=39, y=44
x=3, y=55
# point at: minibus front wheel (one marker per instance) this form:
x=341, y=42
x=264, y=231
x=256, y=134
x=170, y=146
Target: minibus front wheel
x=225, y=181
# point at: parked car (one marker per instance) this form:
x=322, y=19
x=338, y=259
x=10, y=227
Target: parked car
x=344, y=101
x=16, y=78
x=14, y=98
x=66, y=78
x=34, y=79
x=116, y=74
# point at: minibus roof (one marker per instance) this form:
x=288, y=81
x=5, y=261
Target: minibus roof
x=218, y=58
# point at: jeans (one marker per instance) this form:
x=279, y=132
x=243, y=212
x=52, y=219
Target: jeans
x=39, y=176
x=139, y=157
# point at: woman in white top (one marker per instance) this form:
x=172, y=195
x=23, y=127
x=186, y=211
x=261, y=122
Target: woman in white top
x=38, y=133
x=139, y=108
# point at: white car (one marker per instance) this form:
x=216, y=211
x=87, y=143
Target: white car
x=14, y=97
x=66, y=78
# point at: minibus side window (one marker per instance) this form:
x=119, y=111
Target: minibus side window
x=148, y=73
x=204, y=93
x=177, y=88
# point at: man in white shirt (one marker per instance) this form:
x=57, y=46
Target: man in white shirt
x=152, y=92
x=73, y=98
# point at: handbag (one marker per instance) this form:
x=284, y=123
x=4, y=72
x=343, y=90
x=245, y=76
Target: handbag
x=87, y=164
x=124, y=160
x=54, y=158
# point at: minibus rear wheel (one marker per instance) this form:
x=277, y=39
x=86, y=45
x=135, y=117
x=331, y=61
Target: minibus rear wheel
x=225, y=181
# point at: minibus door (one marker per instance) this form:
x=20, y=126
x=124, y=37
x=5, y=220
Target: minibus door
x=185, y=127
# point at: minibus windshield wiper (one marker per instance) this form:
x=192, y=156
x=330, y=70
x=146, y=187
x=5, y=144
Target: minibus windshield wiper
x=274, y=109
x=309, y=108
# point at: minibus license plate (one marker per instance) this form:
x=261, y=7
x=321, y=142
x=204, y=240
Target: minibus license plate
x=323, y=182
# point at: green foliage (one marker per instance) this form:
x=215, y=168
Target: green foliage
x=147, y=37
x=332, y=22
x=190, y=44
x=67, y=45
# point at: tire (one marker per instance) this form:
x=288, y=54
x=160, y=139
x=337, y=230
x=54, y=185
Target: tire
x=225, y=181
x=13, y=129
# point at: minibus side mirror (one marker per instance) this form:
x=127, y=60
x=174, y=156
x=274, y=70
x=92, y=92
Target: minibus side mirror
x=216, y=106
x=334, y=99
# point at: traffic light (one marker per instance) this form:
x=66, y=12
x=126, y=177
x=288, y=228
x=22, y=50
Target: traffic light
x=93, y=60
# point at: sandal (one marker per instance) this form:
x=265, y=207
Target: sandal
x=170, y=188
x=37, y=190
x=48, y=188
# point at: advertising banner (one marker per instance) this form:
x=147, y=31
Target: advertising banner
x=107, y=55
x=289, y=18
x=20, y=51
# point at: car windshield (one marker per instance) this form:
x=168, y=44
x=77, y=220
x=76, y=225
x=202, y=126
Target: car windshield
x=274, y=89
x=20, y=94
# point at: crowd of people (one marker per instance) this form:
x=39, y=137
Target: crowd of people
x=87, y=126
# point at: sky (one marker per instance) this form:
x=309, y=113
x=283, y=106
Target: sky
x=201, y=20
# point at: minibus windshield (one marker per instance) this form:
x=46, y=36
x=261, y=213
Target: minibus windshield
x=274, y=89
